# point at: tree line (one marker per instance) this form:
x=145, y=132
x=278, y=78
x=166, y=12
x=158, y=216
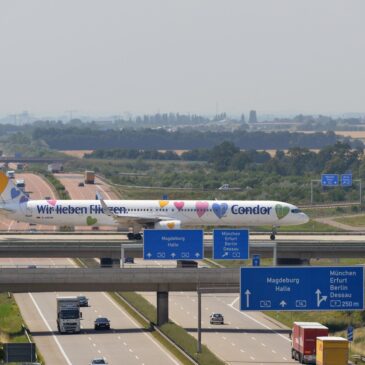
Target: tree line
x=148, y=139
x=226, y=156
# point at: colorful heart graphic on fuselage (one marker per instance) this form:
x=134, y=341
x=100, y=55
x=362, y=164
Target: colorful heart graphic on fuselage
x=201, y=208
x=220, y=209
x=91, y=221
x=281, y=211
x=163, y=203
x=179, y=205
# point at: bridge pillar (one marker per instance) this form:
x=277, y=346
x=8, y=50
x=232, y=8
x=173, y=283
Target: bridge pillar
x=292, y=261
x=162, y=307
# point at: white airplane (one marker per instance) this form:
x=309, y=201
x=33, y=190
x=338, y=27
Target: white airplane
x=138, y=214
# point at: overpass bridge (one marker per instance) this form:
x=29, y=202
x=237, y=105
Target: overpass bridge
x=38, y=246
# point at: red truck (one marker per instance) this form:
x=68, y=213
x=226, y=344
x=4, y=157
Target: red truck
x=304, y=337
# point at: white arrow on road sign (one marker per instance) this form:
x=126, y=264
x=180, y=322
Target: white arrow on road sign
x=247, y=293
x=149, y=255
x=197, y=254
x=320, y=298
x=173, y=254
x=283, y=303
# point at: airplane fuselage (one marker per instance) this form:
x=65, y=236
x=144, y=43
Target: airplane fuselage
x=184, y=212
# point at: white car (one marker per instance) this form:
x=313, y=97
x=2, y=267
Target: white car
x=98, y=360
x=216, y=318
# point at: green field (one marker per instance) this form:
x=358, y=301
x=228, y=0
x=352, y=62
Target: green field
x=355, y=221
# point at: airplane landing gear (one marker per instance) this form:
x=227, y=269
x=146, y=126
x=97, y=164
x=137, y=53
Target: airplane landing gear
x=273, y=234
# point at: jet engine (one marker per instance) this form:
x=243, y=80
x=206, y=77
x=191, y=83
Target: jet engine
x=172, y=224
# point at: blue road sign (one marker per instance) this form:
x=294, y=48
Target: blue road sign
x=302, y=288
x=256, y=260
x=329, y=180
x=178, y=244
x=230, y=244
x=346, y=179
x=350, y=333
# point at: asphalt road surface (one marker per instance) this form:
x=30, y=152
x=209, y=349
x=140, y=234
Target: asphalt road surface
x=126, y=340
x=38, y=189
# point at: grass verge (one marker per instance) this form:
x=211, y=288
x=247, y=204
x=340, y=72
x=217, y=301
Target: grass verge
x=60, y=188
x=11, y=324
x=355, y=221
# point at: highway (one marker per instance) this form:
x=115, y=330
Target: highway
x=88, y=191
x=38, y=189
x=246, y=338
x=125, y=341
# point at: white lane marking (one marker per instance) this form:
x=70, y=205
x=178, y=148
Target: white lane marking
x=94, y=344
x=50, y=329
x=119, y=338
x=260, y=323
x=252, y=358
x=273, y=351
x=89, y=338
x=284, y=358
x=137, y=357
x=233, y=344
x=224, y=338
x=136, y=325
x=130, y=350
x=263, y=345
x=124, y=343
x=234, y=302
x=253, y=338
x=99, y=351
x=242, y=350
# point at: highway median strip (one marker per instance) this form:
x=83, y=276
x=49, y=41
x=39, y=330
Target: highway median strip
x=175, y=338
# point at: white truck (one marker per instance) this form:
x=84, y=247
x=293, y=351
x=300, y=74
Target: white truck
x=68, y=314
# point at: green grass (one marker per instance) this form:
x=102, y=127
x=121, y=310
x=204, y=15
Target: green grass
x=62, y=193
x=311, y=226
x=176, y=333
x=11, y=321
x=358, y=221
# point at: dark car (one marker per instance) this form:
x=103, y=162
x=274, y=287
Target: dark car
x=102, y=323
x=81, y=184
x=83, y=301
x=129, y=260
x=98, y=360
x=216, y=318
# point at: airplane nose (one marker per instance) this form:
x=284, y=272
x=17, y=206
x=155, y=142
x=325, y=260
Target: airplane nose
x=304, y=218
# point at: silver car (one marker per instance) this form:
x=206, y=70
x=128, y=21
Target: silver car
x=216, y=318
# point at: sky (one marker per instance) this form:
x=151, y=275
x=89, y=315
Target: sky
x=188, y=56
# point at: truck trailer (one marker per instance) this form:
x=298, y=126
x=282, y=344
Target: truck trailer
x=332, y=351
x=89, y=177
x=304, y=337
x=68, y=314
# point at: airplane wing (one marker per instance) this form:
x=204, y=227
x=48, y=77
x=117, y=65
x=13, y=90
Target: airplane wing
x=129, y=219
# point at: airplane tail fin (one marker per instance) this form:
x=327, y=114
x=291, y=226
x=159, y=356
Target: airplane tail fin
x=9, y=193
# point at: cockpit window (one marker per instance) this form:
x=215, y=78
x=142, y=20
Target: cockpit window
x=296, y=210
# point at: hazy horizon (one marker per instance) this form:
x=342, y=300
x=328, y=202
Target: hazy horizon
x=109, y=58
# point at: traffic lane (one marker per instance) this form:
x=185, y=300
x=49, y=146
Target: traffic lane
x=38, y=189
x=245, y=338
x=47, y=344
x=88, y=191
x=126, y=340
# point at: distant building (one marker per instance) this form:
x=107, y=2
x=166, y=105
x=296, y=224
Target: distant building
x=253, y=117
x=55, y=167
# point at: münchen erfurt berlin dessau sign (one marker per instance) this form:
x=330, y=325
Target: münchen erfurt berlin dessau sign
x=174, y=244
x=302, y=288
